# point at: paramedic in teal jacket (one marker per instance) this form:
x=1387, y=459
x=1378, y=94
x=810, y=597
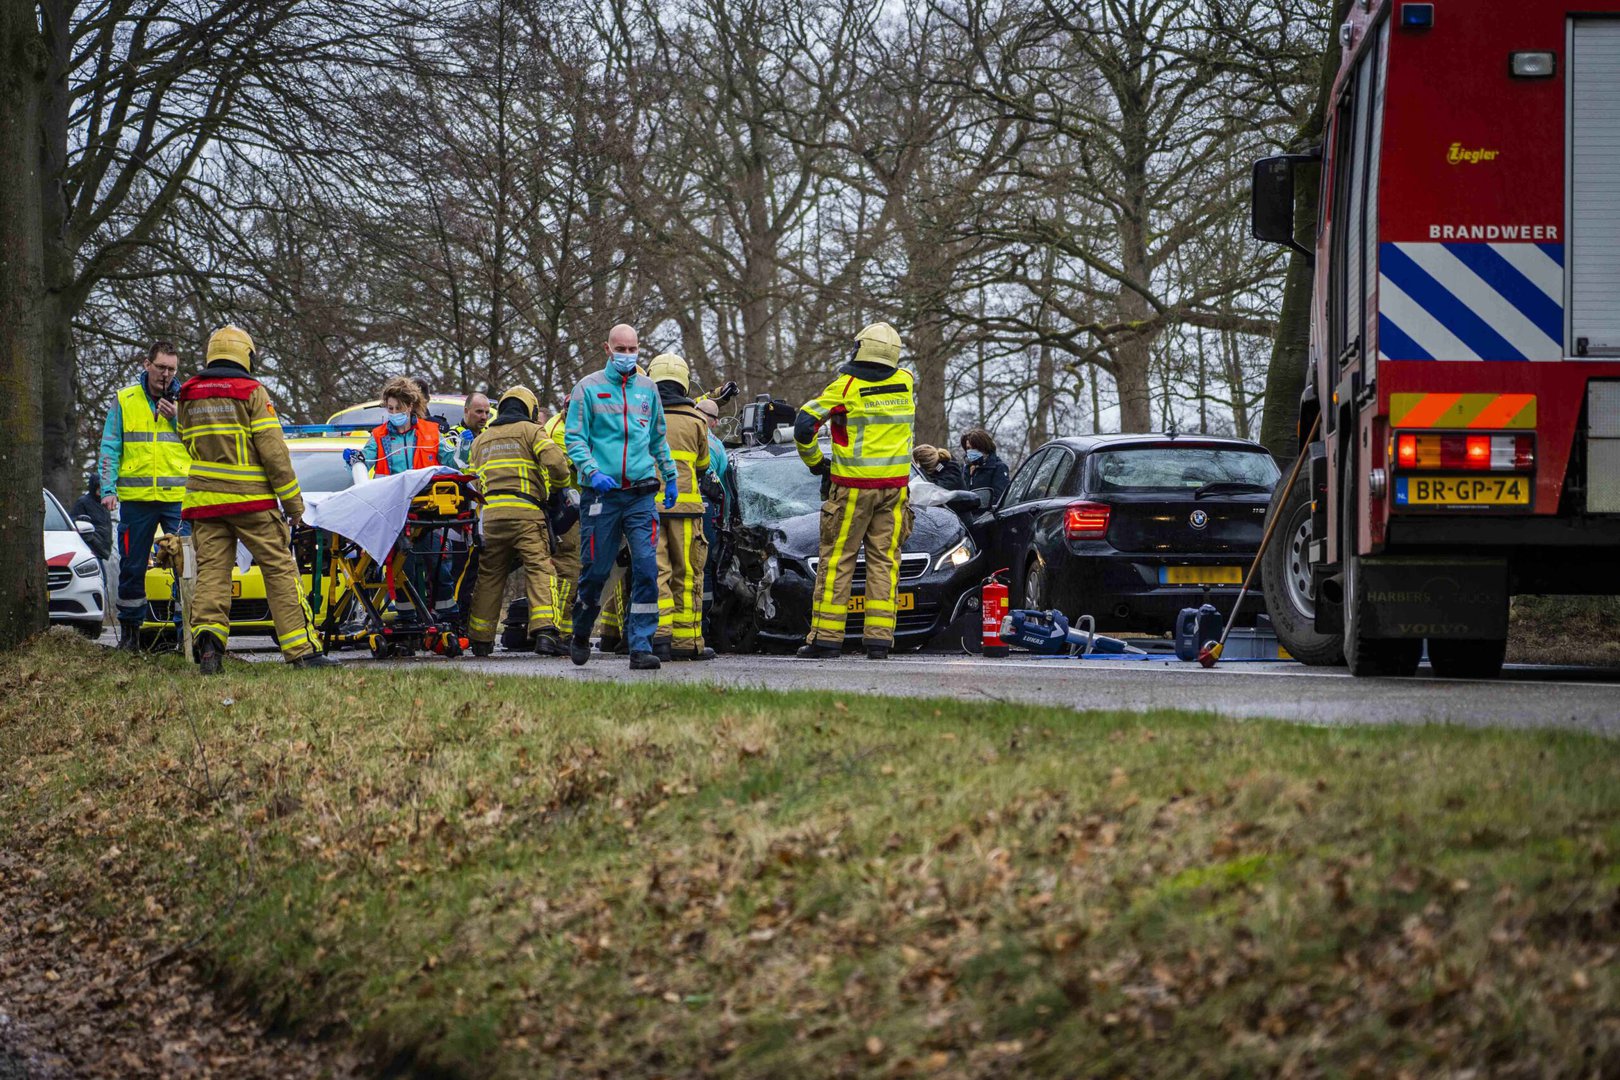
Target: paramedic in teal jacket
x=615, y=438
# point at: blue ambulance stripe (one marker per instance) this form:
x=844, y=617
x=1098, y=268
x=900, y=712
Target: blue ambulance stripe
x=1444, y=307
x=1555, y=252
x=1515, y=288
x=1396, y=344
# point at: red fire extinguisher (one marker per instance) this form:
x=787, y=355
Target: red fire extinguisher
x=993, y=607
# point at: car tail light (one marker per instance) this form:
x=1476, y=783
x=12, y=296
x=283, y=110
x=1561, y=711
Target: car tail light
x=1086, y=521
x=1492, y=453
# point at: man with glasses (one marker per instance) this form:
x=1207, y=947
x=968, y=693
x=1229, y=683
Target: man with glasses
x=615, y=438
x=143, y=467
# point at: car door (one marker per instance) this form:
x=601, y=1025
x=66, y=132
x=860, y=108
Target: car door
x=1013, y=524
x=1050, y=493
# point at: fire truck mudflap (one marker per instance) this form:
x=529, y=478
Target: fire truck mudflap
x=1404, y=597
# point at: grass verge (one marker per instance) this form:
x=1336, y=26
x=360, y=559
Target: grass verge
x=1565, y=630
x=518, y=877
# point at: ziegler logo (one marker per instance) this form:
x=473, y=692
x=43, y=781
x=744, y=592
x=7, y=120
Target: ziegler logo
x=1458, y=156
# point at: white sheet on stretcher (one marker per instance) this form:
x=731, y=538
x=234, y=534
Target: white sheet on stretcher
x=372, y=514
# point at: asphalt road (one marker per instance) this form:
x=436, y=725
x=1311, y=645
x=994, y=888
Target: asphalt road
x=1526, y=697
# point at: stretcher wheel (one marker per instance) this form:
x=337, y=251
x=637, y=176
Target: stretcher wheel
x=449, y=646
x=381, y=649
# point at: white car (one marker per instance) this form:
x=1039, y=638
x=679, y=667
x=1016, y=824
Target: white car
x=73, y=573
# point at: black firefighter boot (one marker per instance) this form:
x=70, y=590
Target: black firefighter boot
x=876, y=650
x=815, y=650
x=663, y=650
x=129, y=636
x=316, y=660
x=547, y=643
x=210, y=656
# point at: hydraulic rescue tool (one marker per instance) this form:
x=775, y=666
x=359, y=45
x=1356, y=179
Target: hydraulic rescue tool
x=1049, y=633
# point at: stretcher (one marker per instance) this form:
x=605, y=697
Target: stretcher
x=414, y=599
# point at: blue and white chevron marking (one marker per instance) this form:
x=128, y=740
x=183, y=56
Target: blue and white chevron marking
x=1470, y=301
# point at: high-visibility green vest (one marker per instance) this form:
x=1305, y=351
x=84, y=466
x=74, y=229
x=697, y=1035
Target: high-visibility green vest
x=153, y=464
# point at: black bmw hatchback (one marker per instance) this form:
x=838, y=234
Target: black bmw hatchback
x=1132, y=528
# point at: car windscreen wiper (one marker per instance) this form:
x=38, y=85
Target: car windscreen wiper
x=1229, y=487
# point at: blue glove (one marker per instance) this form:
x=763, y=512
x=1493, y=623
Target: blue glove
x=601, y=481
x=351, y=455
x=670, y=492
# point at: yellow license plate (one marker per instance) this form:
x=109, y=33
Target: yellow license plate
x=236, y=589
x=1201, y=575
x=1462, y=491
x=904, y=602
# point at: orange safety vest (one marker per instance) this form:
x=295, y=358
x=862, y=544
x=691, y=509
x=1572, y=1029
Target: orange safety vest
x=426, y=454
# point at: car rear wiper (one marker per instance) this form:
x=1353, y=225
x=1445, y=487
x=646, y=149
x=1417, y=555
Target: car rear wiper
x=1229, y=487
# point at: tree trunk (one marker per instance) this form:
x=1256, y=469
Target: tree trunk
x=62, y=296
x=1290, y=361
x=23, y=58
x=1290, y=348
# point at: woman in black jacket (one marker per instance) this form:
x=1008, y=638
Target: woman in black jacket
x=984, y=468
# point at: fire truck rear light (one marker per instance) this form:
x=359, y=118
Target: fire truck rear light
x=1496, y=453
x=1406, y=455
x=1524, y=451
x=1086, y=521
x=1533, y=65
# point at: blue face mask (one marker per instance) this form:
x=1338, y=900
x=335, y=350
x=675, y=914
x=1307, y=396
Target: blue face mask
x=975, y=456
x=399, y=421
x=623, y=363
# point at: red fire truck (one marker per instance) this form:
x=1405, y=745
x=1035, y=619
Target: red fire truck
x=1465, y=333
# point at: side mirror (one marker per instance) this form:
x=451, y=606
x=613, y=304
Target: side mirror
x=985, y=496
x=963, y=500
x=1272, y=205
x=84, y=527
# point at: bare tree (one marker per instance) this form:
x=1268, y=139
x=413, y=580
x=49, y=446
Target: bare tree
x=23, y=63
x=140, y=99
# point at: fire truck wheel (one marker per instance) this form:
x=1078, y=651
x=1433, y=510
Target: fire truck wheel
x=1285, y=578
x=1368, y=655
x=1453, y=658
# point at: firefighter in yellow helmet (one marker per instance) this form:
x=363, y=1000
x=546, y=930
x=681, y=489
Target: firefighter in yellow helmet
x=682, y=548
x=240, y=471
x=518, y=467
x=870, y=408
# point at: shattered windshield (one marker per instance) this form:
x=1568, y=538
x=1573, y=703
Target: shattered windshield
x=771, y=487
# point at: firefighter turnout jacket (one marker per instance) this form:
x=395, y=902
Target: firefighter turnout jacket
x=518, y=466
x=870, y=408
x=687, y=432
x=557, y=430
x=239, y=459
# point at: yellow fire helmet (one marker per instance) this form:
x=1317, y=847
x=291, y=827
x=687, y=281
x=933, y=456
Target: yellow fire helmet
x=231, y=343
x=531, y=404
x=879, y=344
x=669, y=367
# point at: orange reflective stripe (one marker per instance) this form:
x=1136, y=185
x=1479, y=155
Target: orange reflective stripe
x=1427, y=409
x=1503, y=411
